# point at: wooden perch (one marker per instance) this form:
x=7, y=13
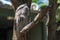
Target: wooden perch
x=37, y=19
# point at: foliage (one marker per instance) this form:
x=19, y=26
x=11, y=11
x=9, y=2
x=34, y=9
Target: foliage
x=58, y=14
x=58, y=1
x=34, y=0
x=41, y=2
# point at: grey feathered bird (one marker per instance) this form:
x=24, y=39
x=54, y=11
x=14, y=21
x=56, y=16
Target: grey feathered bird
x=21, y=18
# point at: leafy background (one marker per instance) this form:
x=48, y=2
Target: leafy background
x=58, y=13
x=39, y=2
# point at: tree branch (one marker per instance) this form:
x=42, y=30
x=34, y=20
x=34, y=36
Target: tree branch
x=38, y=18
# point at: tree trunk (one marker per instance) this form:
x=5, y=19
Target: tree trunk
x=52, y=23
x=16, y=3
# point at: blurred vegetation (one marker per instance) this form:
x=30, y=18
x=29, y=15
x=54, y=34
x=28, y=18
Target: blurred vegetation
x=58, y=1
x=41, y=3
x=5, y=5
x=58, y=13
x=6, y=11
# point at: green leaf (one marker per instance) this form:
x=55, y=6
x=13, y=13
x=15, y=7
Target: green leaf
x=58, y=1
x=57, y=18
x=42, y=4
x=34, y=0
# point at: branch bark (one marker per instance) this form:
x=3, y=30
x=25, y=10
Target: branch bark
x=17, y=3
x=52, y=22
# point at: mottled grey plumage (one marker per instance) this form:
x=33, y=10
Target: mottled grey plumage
x=22, y=13
x=21, y=19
